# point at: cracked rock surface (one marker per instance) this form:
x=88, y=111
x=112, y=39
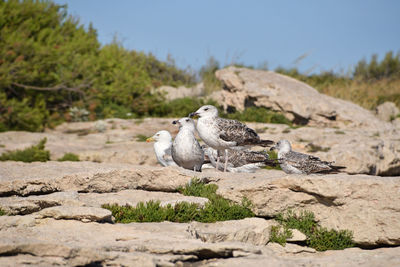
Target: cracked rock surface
x=58, y=220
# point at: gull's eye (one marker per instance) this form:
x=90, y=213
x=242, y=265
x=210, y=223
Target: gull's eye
x=205, y=109
x=187, y=120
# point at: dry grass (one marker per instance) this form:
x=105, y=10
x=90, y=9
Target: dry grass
x=365, y=94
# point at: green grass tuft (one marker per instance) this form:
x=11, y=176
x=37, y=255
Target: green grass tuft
x=280, y=235
x=2, y=212
x=69, y=157
x=316, y=148
x=318, y=237
x=217, y=209
x=30, y=154
x=339, y=132
x=141, y=137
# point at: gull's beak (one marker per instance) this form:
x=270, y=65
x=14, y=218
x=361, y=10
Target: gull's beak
x=272, y=148
x=193, y=114
x=150, y=139
x=174, y=122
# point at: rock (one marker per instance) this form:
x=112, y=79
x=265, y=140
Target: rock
x=17, y=178
x=387, y=111
x=72, y=242
x=347, y=257
x=17, y=205
x=84, y=214
x=297, y=236
x=133, y=197
x=290, y=248
x=25, y=205
x=255, y=231
x=172, y=93
x=298, y=101
x=367, y=205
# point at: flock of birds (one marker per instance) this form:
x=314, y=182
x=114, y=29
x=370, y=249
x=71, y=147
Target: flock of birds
x=226, y=147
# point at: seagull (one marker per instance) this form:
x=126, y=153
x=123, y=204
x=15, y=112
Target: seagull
x=240, y=160
x=162, y=147
x=186, y=150
x=222, y=134
x=299, y=163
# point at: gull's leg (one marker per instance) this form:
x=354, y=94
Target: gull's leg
x=217, y=166
x=226, y=160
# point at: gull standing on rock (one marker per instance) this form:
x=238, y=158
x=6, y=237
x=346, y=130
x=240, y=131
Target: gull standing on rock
x=186, y=150
x=299, y=163
x=222, y=134
x=162, y=147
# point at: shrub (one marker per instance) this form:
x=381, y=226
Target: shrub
x=217, y=209
x=30, y=154
x=69, y=157
x=280, y=235
x=318, y=237
x=141, y=138
x=258, y=114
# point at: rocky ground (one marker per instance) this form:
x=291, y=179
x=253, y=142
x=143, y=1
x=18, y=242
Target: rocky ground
x=58, y=220
x=55, y=215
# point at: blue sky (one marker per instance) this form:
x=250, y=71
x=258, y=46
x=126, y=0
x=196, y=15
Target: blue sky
x=329, y=35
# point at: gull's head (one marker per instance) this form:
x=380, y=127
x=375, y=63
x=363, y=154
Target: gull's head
x=283, y=146
x=205, y=111
x=185, y=122
x=160, y=136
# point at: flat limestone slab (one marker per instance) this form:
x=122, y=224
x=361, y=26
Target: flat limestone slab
x=17, y=178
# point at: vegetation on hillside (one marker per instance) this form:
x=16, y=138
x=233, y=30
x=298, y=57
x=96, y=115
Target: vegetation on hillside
x=371, y=82
x=53, y=69
x=49, y=63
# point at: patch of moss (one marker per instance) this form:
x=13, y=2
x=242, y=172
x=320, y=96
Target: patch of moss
x=319, y=238
x=30, y=154
x=217, y=209
x=69, y=157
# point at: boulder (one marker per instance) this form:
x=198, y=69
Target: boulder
x=367, y=205
x=255, y=231
x=387, y=111
x=23, y=179
x=298, y=101
x=172, y=93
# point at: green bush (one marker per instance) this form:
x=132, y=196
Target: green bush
x=49, y=63
x=280, y=235
x=318, y=237
x=30, y=154
x=258, y=114
x=217, y=209
x=69, y=157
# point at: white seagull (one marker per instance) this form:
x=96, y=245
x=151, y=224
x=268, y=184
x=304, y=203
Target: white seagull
x=186, y=150
x=162, y=147
x=299, y=163
x=222, y=134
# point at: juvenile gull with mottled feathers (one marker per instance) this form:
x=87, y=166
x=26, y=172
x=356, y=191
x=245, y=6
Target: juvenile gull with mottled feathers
x=299, y=163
